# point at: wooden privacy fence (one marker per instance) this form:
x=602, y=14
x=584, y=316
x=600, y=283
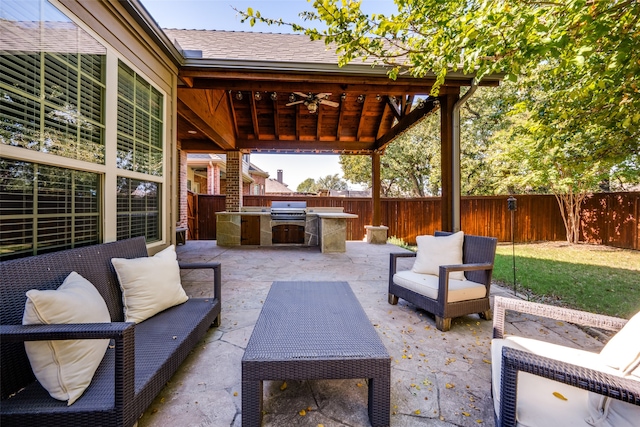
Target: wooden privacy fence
x=607, y=218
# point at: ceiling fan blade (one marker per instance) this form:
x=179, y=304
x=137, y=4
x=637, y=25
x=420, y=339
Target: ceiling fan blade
x=329, y=103
x=323, y=95
x=304, y=95
x=294, y=103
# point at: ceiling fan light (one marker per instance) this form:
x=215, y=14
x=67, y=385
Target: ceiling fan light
x=360, y=99
x=239, y=96
x=378, y=98
x=313, y=107
x=274, y=96
x=292, y=97
x=258, y=96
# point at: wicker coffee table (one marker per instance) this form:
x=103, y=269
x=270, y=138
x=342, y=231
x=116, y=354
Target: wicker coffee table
x=314, y=330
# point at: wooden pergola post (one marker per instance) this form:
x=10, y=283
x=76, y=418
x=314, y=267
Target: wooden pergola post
x=450, y=165
x=376, y=232
x=375, y=188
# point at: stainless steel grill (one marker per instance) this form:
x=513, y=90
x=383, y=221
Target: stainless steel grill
x=288, y=211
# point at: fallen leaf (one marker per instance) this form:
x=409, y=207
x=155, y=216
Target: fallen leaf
x=487, y=361
x=559, y=396
x=359, y=384
x=479, y=421
x=235, y=393
x=466, y=414
x=283, y=386
x=302, y=413
x=417, y=412
x=449, y=385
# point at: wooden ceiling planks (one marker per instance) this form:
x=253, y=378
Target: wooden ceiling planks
x=371, y=110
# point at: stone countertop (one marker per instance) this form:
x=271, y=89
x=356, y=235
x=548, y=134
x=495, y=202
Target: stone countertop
x=254, y=213
x=336, y=215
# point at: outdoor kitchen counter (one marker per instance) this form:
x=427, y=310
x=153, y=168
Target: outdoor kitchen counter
x=323, y=228
x=332, y=229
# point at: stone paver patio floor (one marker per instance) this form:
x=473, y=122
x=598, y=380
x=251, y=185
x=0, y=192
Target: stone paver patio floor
x=437, y=379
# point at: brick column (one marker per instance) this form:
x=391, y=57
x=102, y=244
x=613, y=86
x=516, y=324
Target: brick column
x=216, y=179
x=210, y=179
x=234, y=181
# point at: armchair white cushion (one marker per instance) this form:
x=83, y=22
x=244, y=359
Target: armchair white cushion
x=427, y=285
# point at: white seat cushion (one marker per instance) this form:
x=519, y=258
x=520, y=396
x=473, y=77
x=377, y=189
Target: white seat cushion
x=149, y=284
x=434, y=251
x=427, y=285
x=65, y=368
x=536, y=403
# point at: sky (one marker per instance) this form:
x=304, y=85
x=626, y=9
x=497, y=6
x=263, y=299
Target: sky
x=219, y=15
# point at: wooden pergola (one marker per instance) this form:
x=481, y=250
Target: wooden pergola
x=239, y=106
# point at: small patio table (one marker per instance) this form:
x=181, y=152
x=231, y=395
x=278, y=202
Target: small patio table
x=314, y=330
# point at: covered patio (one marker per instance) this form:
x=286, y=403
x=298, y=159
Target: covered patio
x=437, y=379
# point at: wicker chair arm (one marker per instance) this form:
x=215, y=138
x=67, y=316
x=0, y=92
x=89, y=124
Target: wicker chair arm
x=393, y=262
x=217, y=274
x=445, y=269
x=501, y=304
x=18, y=333
x=513, y=360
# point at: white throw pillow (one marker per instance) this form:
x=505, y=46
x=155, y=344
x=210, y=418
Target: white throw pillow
x=65, y=367
x=434, y=251
x=149, y=284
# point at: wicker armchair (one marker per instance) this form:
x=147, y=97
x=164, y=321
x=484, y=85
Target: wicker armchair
x=539, y=383
x=478, y=254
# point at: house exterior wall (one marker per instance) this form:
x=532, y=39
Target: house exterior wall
x=125, y=45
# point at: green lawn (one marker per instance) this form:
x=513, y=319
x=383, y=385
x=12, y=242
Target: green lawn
x=599, y=279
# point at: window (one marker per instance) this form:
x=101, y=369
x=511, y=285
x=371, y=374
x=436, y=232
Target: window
x=53, y=100
x=138, y=209
x=140, y=149
x=52, y=83
x=46, y=208
x=139, y=124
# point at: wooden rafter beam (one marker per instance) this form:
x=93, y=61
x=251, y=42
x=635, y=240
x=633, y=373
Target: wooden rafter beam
x=276, y=119
x=234, y=117
x=408, y=102
x=340, y=120
x=298, y=121
x=371, y=89
x=319, y=122
x=254, y=116
x=308, y=78
x=361, y=122
x=305, y=146
x=199, y=123
x=405, y=123
x=394, y=107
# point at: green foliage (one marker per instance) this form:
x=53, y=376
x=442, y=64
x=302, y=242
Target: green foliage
x=410, y=167
x=393, y=240
x=329, y=182
x=566, y=121
x=592, y=278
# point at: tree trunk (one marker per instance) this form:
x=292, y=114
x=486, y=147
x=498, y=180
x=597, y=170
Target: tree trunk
x=570, y=207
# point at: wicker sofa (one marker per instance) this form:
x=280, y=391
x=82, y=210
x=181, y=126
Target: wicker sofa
x=441, y=296
x=140, y=360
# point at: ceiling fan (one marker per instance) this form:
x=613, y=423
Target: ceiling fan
x=312, y=101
